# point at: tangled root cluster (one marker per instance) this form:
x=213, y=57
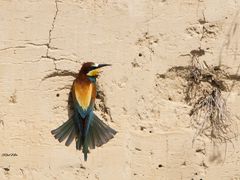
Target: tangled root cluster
x=202, y=78
x=211, y=118
x=209, y=114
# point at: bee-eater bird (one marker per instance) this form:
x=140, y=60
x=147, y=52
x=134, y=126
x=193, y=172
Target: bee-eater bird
x=84, y=126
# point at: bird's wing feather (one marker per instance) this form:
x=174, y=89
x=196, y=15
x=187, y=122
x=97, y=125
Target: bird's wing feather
x=99, y=133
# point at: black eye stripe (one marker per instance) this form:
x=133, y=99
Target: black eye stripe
x=97, y=67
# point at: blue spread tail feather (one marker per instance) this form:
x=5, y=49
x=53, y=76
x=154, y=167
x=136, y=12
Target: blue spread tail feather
x=98, y=134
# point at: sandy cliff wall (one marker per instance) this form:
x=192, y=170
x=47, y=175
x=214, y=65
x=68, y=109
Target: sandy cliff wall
x=42, y=43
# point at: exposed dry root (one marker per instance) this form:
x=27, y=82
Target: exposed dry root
x=211, y=118
x=203, y=78
x=209, y=114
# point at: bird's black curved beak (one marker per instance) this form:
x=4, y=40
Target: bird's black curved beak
x=103, y=65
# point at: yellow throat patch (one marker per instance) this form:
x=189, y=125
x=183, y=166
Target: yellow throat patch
x=94, y=72
x=83, y=94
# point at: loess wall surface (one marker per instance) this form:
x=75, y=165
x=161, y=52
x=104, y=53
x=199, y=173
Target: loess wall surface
x=44, y=42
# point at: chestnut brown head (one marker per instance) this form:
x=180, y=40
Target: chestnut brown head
x=92, y=69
